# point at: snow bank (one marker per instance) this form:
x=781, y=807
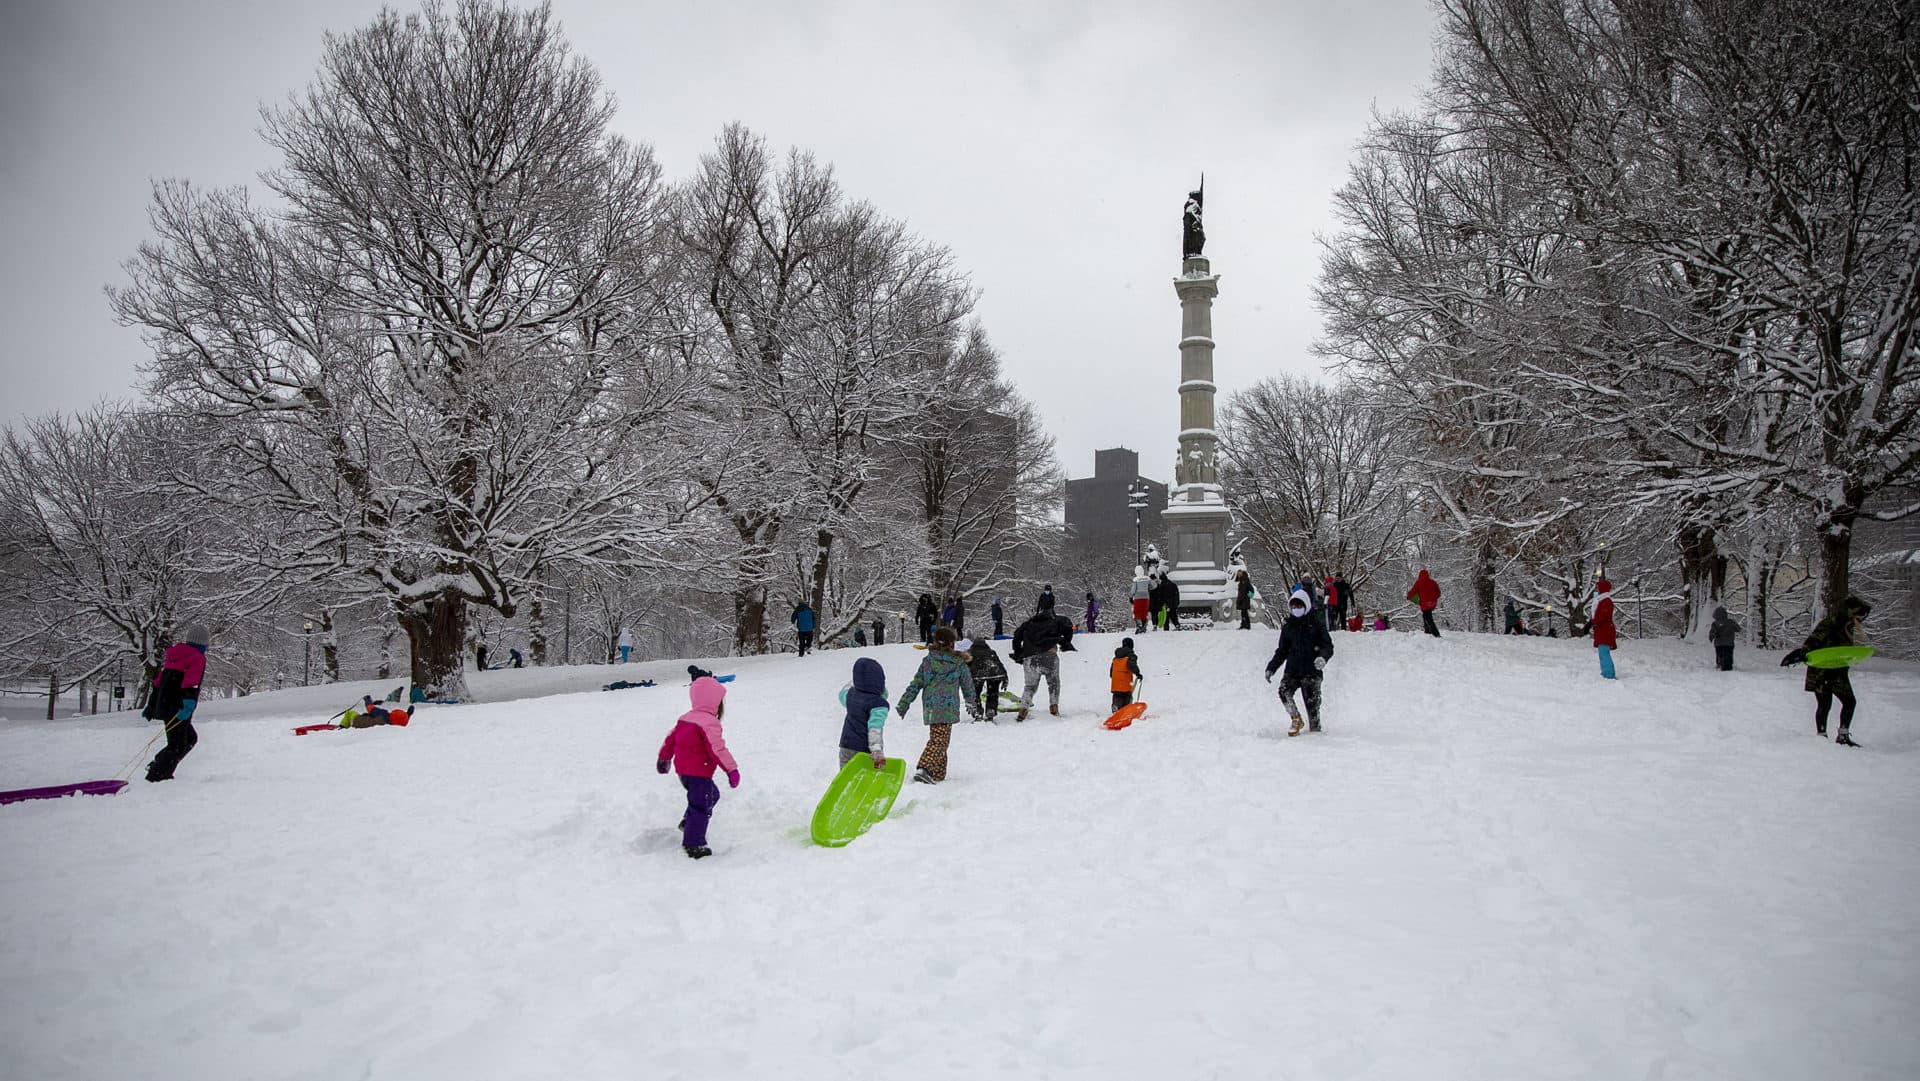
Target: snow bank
x=1491, y=865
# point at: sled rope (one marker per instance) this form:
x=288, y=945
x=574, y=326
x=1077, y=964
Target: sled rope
x=126, y=772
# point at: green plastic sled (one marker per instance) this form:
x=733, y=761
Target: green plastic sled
x=1838, y=656
x=857, y=798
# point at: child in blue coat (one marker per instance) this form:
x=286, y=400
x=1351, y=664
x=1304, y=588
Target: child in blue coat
x=865, y=700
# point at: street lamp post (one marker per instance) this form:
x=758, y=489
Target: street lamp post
x=306, y=664
x=1137, y=493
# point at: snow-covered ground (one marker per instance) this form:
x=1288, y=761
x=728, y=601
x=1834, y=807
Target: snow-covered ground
x=1491, y=865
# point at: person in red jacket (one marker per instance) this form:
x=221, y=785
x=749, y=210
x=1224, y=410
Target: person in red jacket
x=1604, y=639
x=694, y=749
x=1426, y=591
x=176, y=691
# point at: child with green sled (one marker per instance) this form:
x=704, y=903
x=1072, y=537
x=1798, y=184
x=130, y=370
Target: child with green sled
x=944, y=677
x=865, y=701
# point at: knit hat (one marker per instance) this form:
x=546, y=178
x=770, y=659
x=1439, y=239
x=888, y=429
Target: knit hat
x=196, y=634
x=1126, y=644
x=1603, y=586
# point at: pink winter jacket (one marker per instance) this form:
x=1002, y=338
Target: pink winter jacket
x=190, y=661
x=695, y=744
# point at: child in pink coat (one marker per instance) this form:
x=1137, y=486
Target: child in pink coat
x=694, y=748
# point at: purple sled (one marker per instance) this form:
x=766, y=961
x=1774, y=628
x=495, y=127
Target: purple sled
x=82, y=788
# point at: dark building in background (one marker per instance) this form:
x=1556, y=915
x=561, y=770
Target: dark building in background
x=1098, y=517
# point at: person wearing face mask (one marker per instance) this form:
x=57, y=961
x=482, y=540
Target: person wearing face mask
x=1305, y=648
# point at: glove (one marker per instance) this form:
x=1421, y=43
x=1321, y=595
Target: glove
x=661, y=765
x=1319, y=664
x=903, y=711
x=1795, y=657
x=733, y=778
x=879, y=761
x=1269, y=675
x=186, y=709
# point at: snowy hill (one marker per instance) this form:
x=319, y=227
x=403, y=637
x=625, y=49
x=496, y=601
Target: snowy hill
x=1491, y=865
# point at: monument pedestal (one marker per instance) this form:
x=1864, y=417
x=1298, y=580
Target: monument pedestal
x=1197, y=537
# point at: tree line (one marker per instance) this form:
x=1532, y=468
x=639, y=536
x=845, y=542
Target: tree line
x=1637, y=287
x=469, y=351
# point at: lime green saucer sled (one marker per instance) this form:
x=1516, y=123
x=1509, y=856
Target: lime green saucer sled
x=858, y=797
x=1838, y=656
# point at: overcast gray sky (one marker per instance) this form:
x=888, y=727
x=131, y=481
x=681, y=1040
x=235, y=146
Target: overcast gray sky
x=1050, y=145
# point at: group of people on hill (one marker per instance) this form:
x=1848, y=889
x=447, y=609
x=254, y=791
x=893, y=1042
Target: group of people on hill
x=956, y=677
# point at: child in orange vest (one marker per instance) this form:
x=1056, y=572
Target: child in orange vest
x=1126, y=673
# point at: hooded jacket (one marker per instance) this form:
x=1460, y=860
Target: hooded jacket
x=1841, y=627
x=803, y=619
x=1426, y=591
x=1041, y=632
x=1724, y=630
x=983, y=663
x=1603, y=633
x=944, y=679
x=177, y=682
x=695, y=745
x=1302, y=638
x=867, y=709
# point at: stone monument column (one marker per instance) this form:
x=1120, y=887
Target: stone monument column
x=1196, y=514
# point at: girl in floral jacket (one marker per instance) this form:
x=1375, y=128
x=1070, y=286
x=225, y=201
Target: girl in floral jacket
x=944, y=678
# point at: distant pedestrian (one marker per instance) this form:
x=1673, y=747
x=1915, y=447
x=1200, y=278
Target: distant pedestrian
x=625, y=645
x=803, y=626
x=859, y=635
x=480, y=655
x=959, y=620
x=1426, y=593
x=1604, y=639
x=927, y=614
x=999, y=613
x=1243, y=599
x=1142, y=600
x=1346, y=597
x=514, y=659
x=1046, y=599
x=989, y=675
x=174, y=695
x=879, y=631
x=1723, y=634
x=1093, y=614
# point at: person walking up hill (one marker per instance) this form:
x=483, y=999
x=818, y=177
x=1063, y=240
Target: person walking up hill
x=1426, y=592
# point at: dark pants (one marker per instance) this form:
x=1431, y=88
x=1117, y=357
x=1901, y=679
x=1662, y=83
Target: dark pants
x=1723, y=655
x=702, y=795
x=1122, y=699
x=926, y=631
x=1426, y=622
x=1339, y=618
x=1823, y=702
x=1246, y=619
x=997, y=631
x=1309, y=688
x=806, y=642
x=990, y=688
x=181, y=737
x=879, y=634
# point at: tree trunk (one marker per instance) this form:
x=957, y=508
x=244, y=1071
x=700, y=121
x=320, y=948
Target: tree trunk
x=1483, y=587
x=1836, y=558
x=386, y=652
x=436, y=636
x=329, y=647
x=1703, y=574
x=1761, y=584
x=822, y=562
x=537, y=627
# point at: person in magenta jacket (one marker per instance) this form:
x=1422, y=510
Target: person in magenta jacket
x=694, y=748
x=1605, y=638
x=176, y=691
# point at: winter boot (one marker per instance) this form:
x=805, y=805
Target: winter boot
x=1313, y=726
x=1842, y=739
x=923, y=777
x=1022, y=715
x=1294, y=729
x=698, y=852
x=1054, y=709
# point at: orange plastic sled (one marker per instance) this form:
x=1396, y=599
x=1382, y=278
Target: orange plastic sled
x=1125, y=716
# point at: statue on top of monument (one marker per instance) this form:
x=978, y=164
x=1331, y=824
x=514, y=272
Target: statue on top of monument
x=1193, y=237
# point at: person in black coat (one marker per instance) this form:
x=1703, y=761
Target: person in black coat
x=1046, y=599
x=1036, y=647
x=1305, y=648
x=928, y=613
x=1243, y=599
x=879, y=631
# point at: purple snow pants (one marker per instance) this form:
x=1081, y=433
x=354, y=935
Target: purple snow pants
x=702, y=794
